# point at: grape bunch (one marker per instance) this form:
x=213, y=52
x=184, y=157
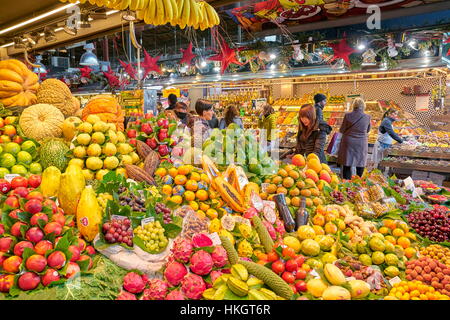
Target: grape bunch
x=118, y=231
x=135, y=202
x=433, y=224
x=153, y=236
x=161, y=208
x=337, y=196
x=351, y=194
x=103, y=198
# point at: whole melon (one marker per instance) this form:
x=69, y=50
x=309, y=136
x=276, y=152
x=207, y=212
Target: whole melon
x=53, y=153
x=57, y=93
x=41, y=121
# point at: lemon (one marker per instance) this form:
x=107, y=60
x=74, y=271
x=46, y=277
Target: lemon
x=100, y=126
x=94, y=150
x=126, y=159
x=378, y=257
x=134, y=157
x=112, y=136
x=109, y=149
x=79, y=152
x=88, y=174
x=85, y=127
x=98, y=137
x=121, y=137
x=77, y=162
x=111, y=163
x=94, y=163
x=84, y=139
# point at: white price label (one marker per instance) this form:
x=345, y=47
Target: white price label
x=270, y=204
x=264, y=187
x=395, y=280
x=146, y=221
x=10, y=176
x=314, y=274
x=116, y=217
x=409, y=183
x=215, y=239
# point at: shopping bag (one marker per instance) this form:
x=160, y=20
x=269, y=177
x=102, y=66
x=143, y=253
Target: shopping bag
x=333, y=146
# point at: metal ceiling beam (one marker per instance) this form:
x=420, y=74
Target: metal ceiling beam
x=341, y=22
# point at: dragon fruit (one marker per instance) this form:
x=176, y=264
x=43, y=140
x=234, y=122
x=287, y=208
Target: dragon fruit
x=201, y=263
x=270, y=229
x=182, y=250
x=219, y=256
x=250, y=213
x=175, y=295
x=215, y=274
x=193, y=286
x=157, y=290
x=279, y=227
x=124, y=295
x=133, y=283
x=175, y=272
x=201, y=240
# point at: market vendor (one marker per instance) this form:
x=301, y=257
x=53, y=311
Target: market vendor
x=386, y=135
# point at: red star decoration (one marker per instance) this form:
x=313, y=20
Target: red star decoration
x=341, y=51
x=86, y=72
x=447, y=40
x=187, y=55
x=226, y=57
x=129, y=69
x=149, y=64
x=113, y=80
x=448, y=52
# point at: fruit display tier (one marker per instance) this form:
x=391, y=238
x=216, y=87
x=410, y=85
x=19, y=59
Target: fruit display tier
x=392, y=163
x=416, y=154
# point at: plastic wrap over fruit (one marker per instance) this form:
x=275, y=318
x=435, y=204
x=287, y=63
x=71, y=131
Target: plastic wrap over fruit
x=375, y=280
x=193, y=224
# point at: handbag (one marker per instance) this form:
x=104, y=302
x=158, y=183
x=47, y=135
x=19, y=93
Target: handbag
x=337, y=138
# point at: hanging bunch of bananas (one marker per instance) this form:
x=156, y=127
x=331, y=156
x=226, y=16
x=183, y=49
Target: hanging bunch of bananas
x=184, y=13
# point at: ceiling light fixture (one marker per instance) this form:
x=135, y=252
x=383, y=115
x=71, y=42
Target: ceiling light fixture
x=111, y=12
x=40, y=17
x=89, y=58
x=361, y=46
x=129, y=16
x=7, y=45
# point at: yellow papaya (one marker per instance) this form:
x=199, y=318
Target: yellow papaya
x=229, y=194
x=51, y=178
x=71, y=187
x=89, y=214
x=249, y=187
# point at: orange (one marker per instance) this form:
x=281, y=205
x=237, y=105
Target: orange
x=195, y=176
x=271, y=188
x=267, y=180
x=294, y=174
x=309, y=203
x=282, y=173
x=383, y=230
x=177, y=199
x=398, y=232
x=319, y=220
x=173, y=172
x=167, y=189
x=193, y=205
x=411, y=236
x=330, y=228
x=410, y=252
x=189, y=196
x=300, y=184
x=295, y=201
x=161, y=172
x=213, y=194
x=321, y=209
x=294, y=192
x=191, y=185
x=282, y=190
x=201, y=214
x=315, y=192
x=318, y=230
x=184, y=170
x=204, y=206
x=263, y=196
x=202, y=195
x=277, y=180
x=288, y=201
x=203, y=177
x=391, y=239
x=212, y=214
x=404, y=242
x=180, y=180
x=305, y=192
x=298, y=160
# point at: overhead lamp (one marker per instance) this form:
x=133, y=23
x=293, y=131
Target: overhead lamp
x=89, y=58
x=40, y=17
x=49, y=34
x=84, y=21
x=6, y=45
x=361, y=46
x=272, y=67
x=41, y=69
x=129, y=16
x=216, y=69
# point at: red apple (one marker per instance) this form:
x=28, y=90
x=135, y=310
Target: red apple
x=28, y=281
x=34, y=234
x=43, y=246
x=90, y=250
x=52, y=204
x=6, y=282
x=86, y=257
x=12, y=201
x=34, y=180
x=6, y=244
x=81, y=244
x=19, y=182
x=131, y=133
x=50, y=276
x=54, y=227
x=59, y=218
x=38, y=216
x=36, y=263
x=20, y=247
x=15, y=229
x=33, y=206
x=2, y=229
x=12, y=264
x=21, y=192
x=75, y=253
x=72, y=270
x=13, y=213
x=56, y=260
x=5, y=186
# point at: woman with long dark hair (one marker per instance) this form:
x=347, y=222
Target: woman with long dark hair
x=310, y=138
x=231, y=116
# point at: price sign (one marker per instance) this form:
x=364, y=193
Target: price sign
x=146, y=221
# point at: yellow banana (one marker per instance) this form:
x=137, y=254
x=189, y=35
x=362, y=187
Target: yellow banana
x=140, y=14
x=186, y=13
x=133, y=4
x=151, y=12
x=180, y=5
x=176, y=14
x=169, y=10
x=194, y=14
x=159, y=12
x=141, y=4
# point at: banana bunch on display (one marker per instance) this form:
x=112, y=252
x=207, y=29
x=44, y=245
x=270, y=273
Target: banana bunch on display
x=184, y=13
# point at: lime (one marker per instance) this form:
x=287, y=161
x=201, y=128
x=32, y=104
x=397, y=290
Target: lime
x=255, y=168
x=7, y=160
x=29, y=146
x=24, y=157
x=35, y=168
x=12, y=147
x=19, y=169
x=3, y=172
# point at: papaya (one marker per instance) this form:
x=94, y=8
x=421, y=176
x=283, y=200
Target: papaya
x=249, y=187
x=71, y=187
x=229, y=194
x=89, y=214
x=51, y=178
